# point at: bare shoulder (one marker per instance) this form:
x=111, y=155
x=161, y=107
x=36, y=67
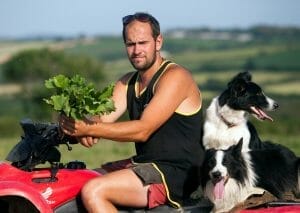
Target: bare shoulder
x=183, y=86
x=177, y=72
x=125, y=78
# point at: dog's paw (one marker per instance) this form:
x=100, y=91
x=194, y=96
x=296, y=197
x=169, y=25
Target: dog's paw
x=197, y=194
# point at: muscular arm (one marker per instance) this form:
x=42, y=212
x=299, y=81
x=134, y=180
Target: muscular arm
x=119, y=97
x=172, y=91
x=120, y=100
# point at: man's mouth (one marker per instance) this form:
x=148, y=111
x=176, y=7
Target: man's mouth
x=260, y=114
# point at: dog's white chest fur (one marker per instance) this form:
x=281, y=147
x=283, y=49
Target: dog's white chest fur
x=234, y=194
x=218, y=133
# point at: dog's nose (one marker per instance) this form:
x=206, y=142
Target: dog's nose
x=216, y=175
x=275, y=105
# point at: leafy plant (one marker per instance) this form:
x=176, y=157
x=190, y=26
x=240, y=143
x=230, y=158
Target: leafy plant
x=74, y=97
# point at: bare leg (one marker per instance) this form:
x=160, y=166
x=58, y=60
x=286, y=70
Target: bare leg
x=122, y=187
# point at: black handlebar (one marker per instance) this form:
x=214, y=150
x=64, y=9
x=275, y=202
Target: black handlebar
x=38, y=144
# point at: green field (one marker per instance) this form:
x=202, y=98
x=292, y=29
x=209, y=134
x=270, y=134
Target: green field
x=274, y=65
x=102, y=152
x=285, y=128
x=106, y=151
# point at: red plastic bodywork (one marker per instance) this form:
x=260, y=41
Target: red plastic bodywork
x=45, y=196
x=280, y=209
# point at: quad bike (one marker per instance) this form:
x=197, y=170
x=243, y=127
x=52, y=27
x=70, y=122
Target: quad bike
x=25, y=187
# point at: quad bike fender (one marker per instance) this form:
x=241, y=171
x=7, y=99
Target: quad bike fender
x=15, y=188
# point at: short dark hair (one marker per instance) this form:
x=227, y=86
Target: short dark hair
x=142, y=17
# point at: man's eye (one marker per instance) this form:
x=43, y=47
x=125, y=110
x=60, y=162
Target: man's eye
x=142, y=42
x=130, y=44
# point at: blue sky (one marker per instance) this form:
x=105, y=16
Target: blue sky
x=95, y=17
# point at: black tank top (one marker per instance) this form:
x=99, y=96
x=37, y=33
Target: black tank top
x=175, y=147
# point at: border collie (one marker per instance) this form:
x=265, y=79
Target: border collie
x=231, y=176
x=226, y=118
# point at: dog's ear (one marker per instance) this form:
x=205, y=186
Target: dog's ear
x=238, y=87
x=246, y=76
x=242, y=76
x=239, y=145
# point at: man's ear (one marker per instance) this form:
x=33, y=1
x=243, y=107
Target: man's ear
x=159, y=42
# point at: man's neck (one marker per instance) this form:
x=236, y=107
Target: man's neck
x=146, y=75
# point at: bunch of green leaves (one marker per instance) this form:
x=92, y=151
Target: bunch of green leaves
x=76, y=98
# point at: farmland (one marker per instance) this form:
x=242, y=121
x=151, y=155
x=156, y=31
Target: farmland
x=274, y=64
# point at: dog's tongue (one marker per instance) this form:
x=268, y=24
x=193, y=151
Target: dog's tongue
x=219, y=189
x=260, y=113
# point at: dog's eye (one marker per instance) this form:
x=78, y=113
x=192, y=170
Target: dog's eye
x=211, y=163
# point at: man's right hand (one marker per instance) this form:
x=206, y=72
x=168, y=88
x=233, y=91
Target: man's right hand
x=87, y=141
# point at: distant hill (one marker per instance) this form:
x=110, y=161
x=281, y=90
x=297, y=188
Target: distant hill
x=261, y=47
x=239, y=34
x=243, y=35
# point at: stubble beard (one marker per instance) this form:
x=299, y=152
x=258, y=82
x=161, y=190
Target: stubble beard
x=146, y=65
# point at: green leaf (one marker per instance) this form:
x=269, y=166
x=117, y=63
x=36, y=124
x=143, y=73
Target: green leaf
x=61, y=81
x=77, y=98
x=49, y=84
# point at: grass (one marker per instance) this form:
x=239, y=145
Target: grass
x=281, y=85
x=283, y=88
x=104, y=151
x=235, y=57
x=6, y=145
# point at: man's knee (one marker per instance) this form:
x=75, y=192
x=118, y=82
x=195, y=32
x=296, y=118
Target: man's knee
x=93, y=189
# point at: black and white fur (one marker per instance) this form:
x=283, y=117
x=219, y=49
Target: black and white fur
x=274, y=168
x=226, y=118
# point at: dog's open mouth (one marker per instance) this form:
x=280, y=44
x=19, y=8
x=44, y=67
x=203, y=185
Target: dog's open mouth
x=219, y=187
x=260, y=114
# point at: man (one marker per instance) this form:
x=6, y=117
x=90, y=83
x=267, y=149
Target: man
x=164, y=105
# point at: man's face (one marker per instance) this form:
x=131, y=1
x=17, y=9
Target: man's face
x=140, y=45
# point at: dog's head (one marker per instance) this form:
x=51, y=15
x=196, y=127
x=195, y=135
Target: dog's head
x=222, y=165
x=244, y=94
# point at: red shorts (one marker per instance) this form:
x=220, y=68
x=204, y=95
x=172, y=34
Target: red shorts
x=157, y=194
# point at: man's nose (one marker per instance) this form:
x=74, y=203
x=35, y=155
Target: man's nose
x=137, y=49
